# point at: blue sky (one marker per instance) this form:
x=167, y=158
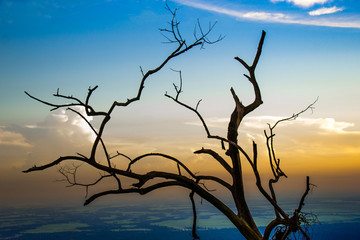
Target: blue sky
x=311, y=50
x=41, y=40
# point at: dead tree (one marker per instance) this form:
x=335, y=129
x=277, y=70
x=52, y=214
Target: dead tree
x=283, y=224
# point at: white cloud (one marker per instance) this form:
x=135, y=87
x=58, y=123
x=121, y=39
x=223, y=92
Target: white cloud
x=331, y=125
x=80, y=123
x=303, y=3
x=265, y=16
x=324, y=10
x=275, y=17
x=61, y=116
x=12, y=138
x=67, y=124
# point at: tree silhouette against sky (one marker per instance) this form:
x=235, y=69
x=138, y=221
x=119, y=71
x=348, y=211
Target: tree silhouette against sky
x=231, y=160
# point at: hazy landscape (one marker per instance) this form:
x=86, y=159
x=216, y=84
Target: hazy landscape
x=338, y=220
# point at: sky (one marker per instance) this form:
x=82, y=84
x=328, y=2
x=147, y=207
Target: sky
x=311, y=51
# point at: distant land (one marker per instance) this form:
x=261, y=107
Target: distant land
x=338, y=220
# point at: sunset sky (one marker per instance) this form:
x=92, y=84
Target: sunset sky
x=312, y=50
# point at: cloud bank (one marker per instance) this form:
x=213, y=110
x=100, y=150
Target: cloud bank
x=61, y=132
x=67, y=124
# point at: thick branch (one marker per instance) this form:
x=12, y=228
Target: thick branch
x=164, y=156
x=215, y=179
x=217, y=157
x=243, y=227
x=56, y=162
x=252, y=78
x=270, y=227
x=179, y=163
x=301, y=203
x=193, y=232
x=141, y=191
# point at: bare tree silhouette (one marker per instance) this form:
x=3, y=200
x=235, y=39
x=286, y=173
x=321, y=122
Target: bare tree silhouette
x=283, y=225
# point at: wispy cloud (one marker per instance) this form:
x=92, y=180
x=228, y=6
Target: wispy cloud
x=275, y=17
x=323, y=125
x=320, y=125
x=322, y=11
x=303, y=3
x=12, y=138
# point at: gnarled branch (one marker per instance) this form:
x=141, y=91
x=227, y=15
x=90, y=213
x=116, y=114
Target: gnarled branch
x=143, y=183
